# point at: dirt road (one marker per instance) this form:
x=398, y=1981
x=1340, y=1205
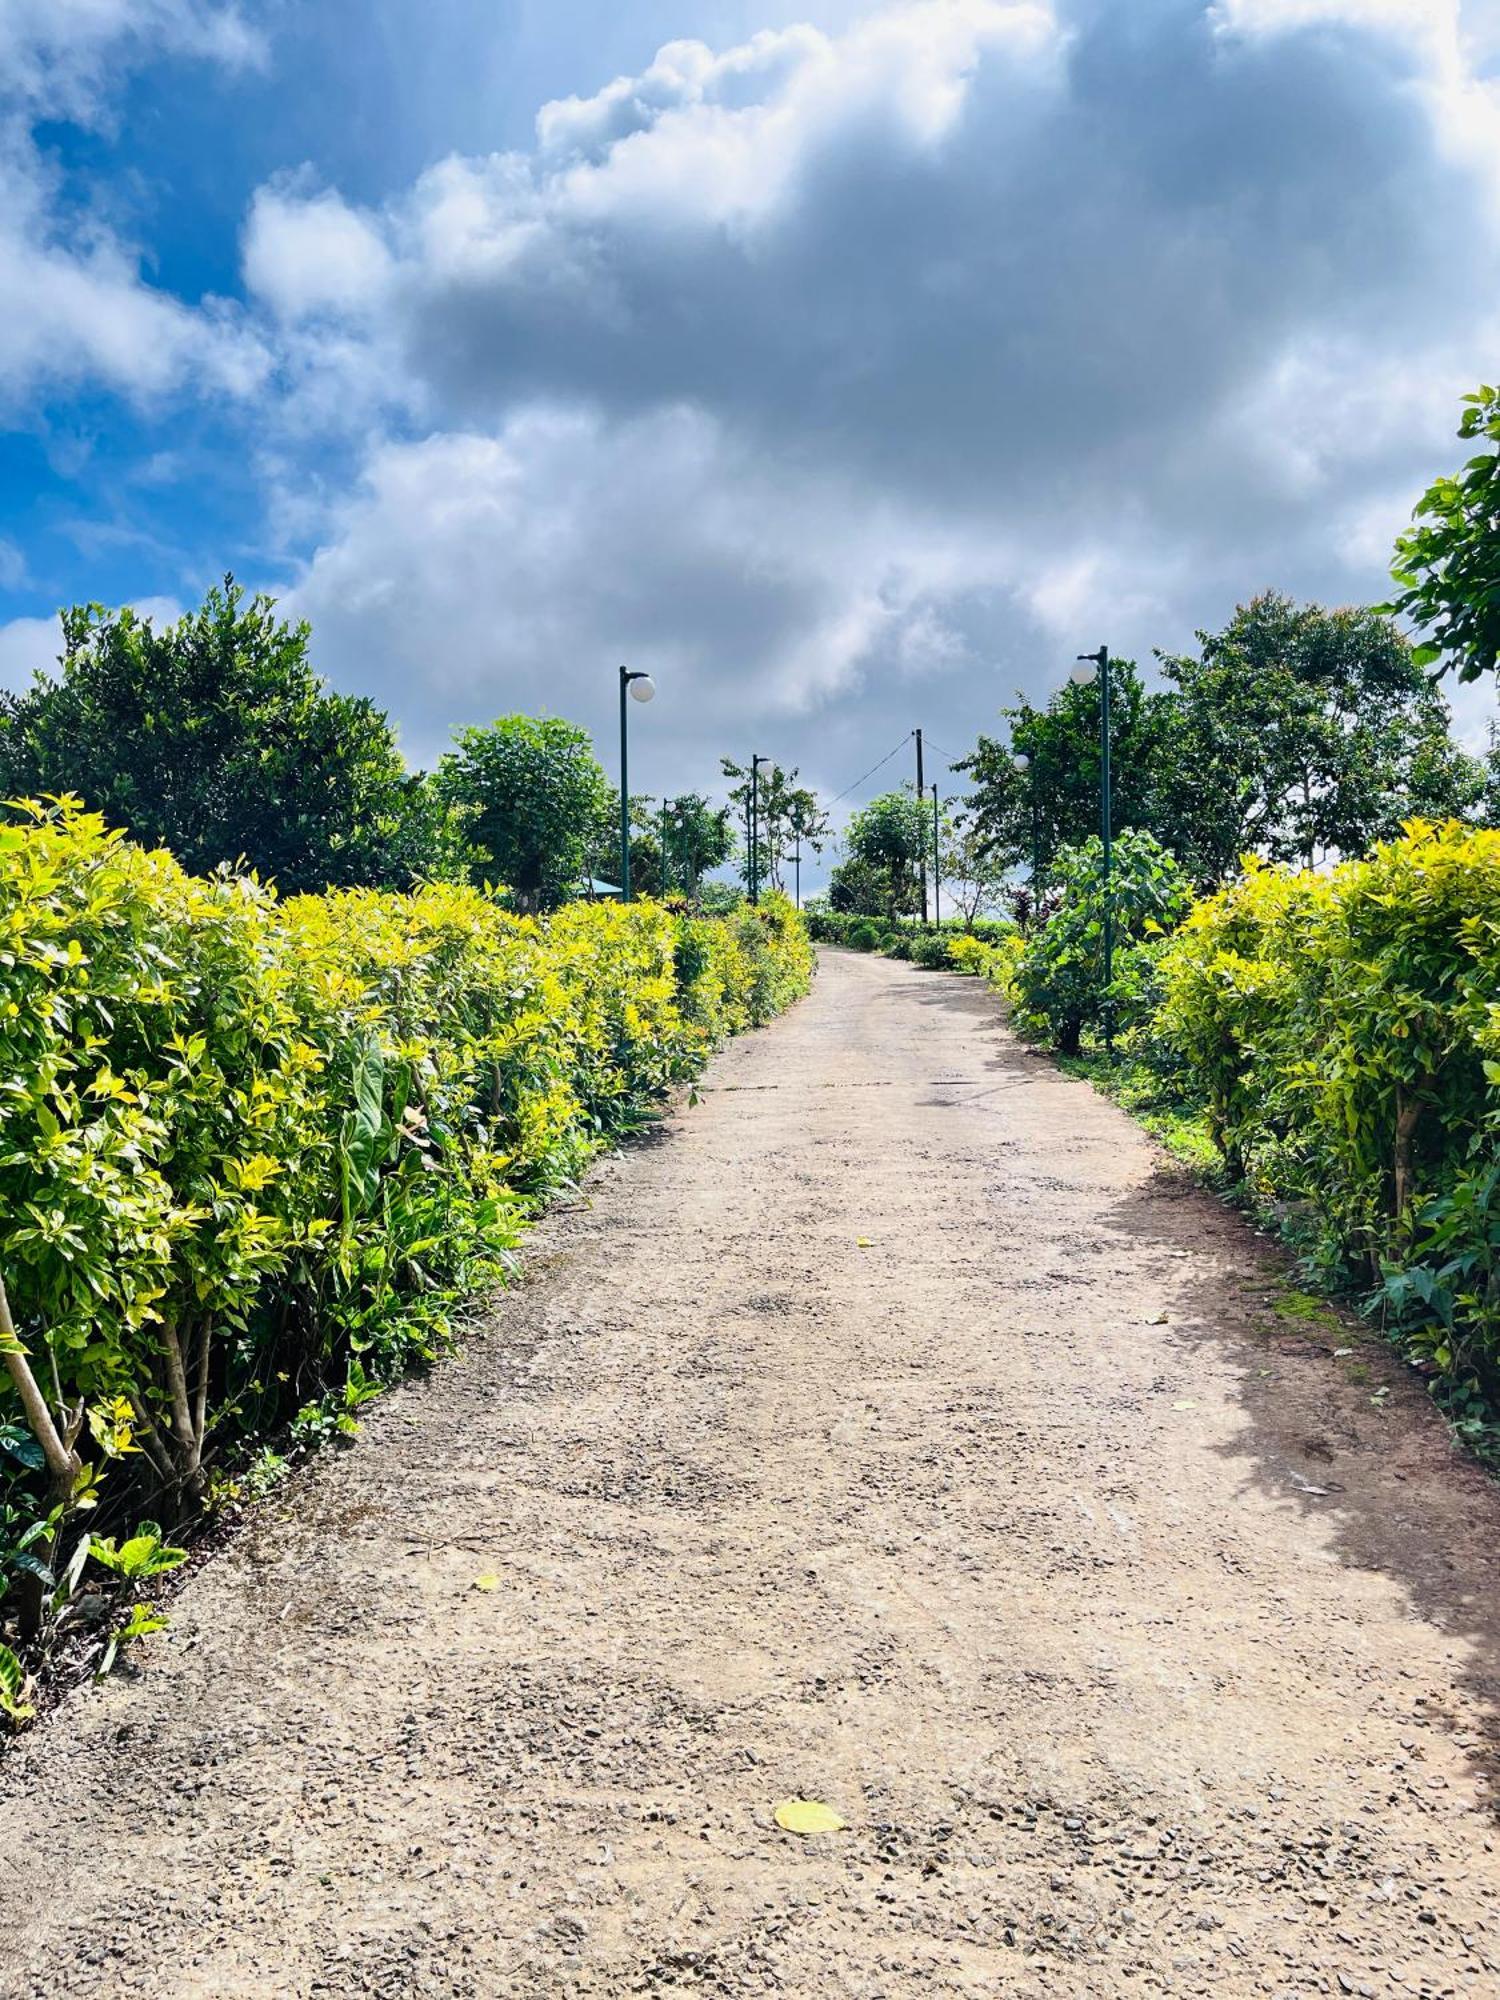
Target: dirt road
x=837, y=1446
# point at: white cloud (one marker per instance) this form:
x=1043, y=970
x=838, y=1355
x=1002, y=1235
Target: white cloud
x=77, y=309
x=312, y=255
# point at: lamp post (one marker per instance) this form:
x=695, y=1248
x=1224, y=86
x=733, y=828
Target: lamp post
x=1089, y=666
x=937, y=861
x=640, y=687
x=755, y=763
x=1023, y=764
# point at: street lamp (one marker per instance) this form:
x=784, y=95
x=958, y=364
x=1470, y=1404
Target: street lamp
x=1023, y=764
x=640, y=687
x=1089, y=667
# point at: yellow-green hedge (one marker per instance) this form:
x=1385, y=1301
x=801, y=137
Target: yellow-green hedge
x=1343, y=1030
x=252, y=1151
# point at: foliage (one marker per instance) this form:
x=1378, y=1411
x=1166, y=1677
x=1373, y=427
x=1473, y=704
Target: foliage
x=1343, y=1032
x=786, y=814
x=254, y=1152
x=533, y=792
x=1293, y=733
x=1058, y=980
x=885, y=843
x=1025, y=818
x=1297, y=732
x=698, y=838
x=1447, y=564
x=972, y=872
x=214, y=737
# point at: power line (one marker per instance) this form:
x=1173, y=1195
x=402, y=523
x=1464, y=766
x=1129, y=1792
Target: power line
x=873, y=769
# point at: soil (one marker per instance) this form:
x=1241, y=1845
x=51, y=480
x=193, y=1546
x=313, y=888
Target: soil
x=893, y=1429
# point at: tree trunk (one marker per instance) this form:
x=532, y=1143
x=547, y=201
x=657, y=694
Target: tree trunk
x=1408, y=1115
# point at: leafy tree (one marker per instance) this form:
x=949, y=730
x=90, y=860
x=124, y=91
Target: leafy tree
x=214, y=737
x=973, y=874
x=535, y=794
x=1298, y=731
x=884, y=843
x=1023, y=817
x=786, y=814
x=1448, y=564
x=698, y=836
x=1058, y=981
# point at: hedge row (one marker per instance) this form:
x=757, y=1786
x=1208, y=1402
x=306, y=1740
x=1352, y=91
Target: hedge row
x=253, y=1152
x=1340, y=1034
x=1343, y=1033
x=896, y=938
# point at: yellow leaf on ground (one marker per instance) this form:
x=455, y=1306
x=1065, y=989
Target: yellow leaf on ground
x=489, y=1581
x=808, y=1816
x=862, y=1242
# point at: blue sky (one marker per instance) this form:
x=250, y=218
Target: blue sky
x=849, y=366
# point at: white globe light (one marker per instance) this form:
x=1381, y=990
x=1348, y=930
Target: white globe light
x=643, y=688
x=1083, y=673
x=1022, y=762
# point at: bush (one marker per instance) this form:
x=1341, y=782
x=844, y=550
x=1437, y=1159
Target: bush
x=932, y=950
x=1344, y=1032
x=256, y=1151
x=864, y=936
x=1057, y=979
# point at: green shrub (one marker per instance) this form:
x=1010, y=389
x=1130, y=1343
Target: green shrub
x=1057, y=978
x=1344, y=1032
x=864, y=936
x=253, y=1151
x=932, y=950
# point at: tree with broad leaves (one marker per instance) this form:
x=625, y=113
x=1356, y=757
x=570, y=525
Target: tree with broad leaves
x=1447, y=565
x=1299, y=732
x=534, y=793
x=214, y=737
x=786, y=815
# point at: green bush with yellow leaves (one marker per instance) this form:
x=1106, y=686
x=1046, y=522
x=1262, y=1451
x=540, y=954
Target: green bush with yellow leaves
x=1343, y=1032
x=254, y=1152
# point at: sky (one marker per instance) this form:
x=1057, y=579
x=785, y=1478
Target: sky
x=847, y=367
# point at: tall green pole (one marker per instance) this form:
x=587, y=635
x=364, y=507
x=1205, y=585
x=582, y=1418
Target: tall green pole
x=624, y=794
x=937, y=863
x=1106, y=816
x=755, y=763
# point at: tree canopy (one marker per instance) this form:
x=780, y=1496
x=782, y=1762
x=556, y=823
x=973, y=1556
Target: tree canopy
x=1447, y=564
x=884, y=844
x=534, y=792
x=1295, y=732
x=214, y=737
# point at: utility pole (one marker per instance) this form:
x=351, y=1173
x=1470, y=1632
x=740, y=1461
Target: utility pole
x=755, y=764
x=921, y=845
x=937, y=862
x=1100, y=660
x=665, y=877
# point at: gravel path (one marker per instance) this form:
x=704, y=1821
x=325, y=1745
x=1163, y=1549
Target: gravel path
x=1141, y=1649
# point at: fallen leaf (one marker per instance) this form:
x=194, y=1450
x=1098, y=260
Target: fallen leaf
x=1340, y=1352
x=1187, y=1404
x=808, y=1816
x=489, y=1581
x=1155, y=1319
x=862, y=1243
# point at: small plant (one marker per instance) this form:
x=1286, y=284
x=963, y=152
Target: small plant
x=145, y=1554
x=14, y=1687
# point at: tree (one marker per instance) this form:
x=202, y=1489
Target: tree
x=214, y=737
x=698, y=838
x=1298, y=731
x=786, y=814
x=884, y=843
x=534, y=792
x=972, y=873
x=1022, y=818
x=1448, y=564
